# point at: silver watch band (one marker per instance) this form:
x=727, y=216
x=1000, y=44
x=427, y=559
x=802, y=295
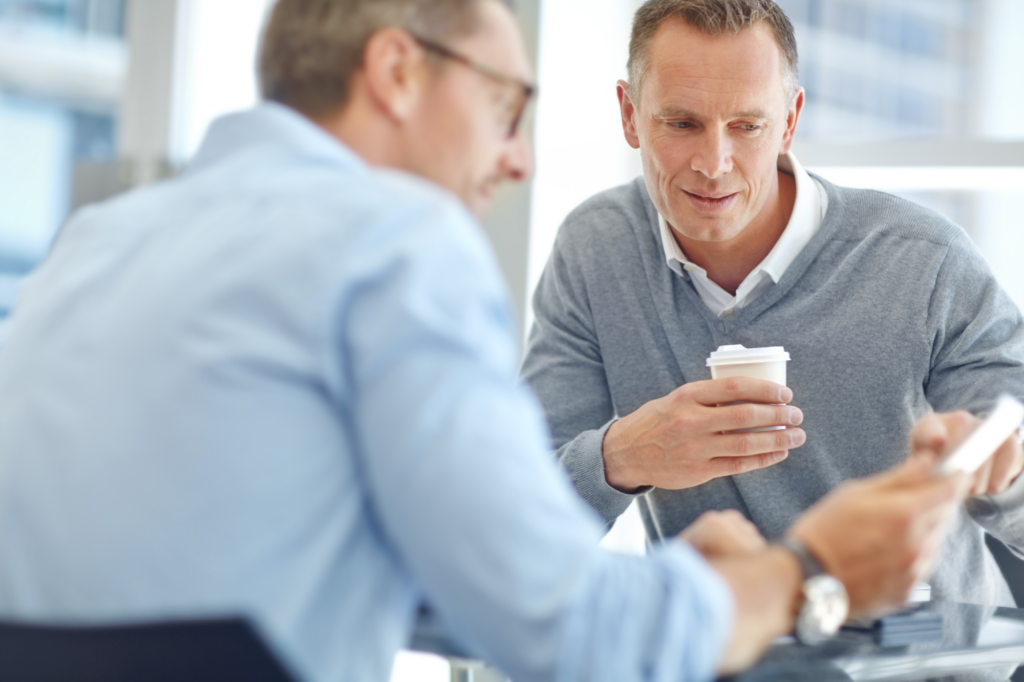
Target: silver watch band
x=809, y=564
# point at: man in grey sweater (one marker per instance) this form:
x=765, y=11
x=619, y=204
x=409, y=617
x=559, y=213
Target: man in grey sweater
x=887, y=309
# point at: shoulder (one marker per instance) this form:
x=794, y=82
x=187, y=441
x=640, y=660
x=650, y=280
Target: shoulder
x=608, y=220
x=865, y=213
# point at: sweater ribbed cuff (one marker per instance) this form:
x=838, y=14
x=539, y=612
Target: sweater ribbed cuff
x=1008, y=506
x=583, y=459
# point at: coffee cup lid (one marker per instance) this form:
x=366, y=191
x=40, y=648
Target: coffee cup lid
x=740, y=355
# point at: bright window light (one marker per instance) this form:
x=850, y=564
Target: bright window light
x=413, y=666
x=926, y=178
x=216, y=69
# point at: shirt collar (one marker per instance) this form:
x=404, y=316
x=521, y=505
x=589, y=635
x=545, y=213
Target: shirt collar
x=806, y=216
x=266, y=126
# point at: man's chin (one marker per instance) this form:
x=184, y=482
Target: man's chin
x=480, y=204
x=703, y=228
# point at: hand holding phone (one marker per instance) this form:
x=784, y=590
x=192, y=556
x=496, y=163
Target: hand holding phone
x=985, y=439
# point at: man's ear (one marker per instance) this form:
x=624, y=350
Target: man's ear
x=628, y=112
x=395, y=72
x=792, y=118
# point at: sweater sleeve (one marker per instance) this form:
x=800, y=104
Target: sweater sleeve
x=978, y=354
x=564, y=367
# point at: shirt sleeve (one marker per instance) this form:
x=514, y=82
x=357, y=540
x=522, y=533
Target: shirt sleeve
x=563, y=365
x=456, y=462
x=978, y=354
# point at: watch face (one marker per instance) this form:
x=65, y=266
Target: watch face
x=824, y=611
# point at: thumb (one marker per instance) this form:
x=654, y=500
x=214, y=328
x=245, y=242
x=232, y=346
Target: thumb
x=929, y=437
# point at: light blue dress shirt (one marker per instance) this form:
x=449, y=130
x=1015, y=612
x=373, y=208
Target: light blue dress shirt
x=284, y=384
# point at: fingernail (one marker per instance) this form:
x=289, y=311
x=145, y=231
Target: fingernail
x=796, y=416
x=797, y=437
x=779, y=456
x=785, y=395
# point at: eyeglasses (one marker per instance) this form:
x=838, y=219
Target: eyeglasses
x=513, y=110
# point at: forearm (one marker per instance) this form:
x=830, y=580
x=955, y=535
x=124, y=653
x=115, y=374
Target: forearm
x=766, y=590
x=666, y=616
x=583, y=460
x=620, y=468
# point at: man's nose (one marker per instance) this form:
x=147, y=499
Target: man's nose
x=517, y=160
x=714, y=155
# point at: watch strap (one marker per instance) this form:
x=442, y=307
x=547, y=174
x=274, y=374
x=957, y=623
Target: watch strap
x=809, y=564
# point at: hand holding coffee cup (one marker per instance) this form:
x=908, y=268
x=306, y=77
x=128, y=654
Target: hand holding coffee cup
x=768, y=364
x=729, y=425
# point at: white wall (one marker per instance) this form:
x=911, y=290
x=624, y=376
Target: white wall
x=1001, y=98
x=215, y=70
x=191, y=61
x=580, y=147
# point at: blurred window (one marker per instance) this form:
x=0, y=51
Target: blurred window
x=88, y=17
x=920, y=98
x=62, y=63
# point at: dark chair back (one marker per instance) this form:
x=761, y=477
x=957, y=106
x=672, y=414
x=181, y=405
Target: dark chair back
x=185, y=651
x=1012, y=566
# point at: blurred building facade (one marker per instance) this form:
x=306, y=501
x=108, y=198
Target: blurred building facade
x=62, y=65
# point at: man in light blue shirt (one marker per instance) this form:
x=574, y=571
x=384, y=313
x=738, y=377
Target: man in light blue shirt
x=283, y=384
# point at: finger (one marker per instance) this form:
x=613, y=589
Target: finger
x=692, y=532
x=735, y=516
x=758, y=443
x=741, y=523
x=929, y=436
x=981, y=478
x=720, y=391
x=959, y=424
x=753, y=416
x=938, y=492
x=1007, y=464
x=754, y=537
x=732, y=466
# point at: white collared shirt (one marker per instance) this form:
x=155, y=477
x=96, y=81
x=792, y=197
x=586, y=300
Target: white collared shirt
x=808, y=211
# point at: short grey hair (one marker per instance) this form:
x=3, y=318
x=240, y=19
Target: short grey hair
x=712, y=17
x=310, y=49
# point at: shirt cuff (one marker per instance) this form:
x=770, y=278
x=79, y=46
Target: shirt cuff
x=666, y=616
x=583, y=460
x=711, y=613
x=990, y=509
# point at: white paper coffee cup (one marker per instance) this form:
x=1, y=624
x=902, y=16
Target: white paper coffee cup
x=757, y=363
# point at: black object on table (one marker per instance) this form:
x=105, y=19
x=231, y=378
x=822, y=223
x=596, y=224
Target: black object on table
x=977, y=644
x=912, y=625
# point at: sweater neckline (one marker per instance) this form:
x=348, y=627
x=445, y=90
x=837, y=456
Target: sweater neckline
x=660, y=275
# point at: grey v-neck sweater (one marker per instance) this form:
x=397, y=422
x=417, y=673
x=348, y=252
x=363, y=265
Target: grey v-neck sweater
x=889, y=312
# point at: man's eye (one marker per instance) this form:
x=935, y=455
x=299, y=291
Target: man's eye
x=682, y=125
x=750, y=127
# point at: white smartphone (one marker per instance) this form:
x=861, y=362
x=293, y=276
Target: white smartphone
x=986, y=438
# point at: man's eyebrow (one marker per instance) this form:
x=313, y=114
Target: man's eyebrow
x=674, y=112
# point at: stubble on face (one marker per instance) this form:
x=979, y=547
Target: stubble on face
x=711, y=123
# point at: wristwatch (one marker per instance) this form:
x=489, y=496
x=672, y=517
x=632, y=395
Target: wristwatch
x=825, y=603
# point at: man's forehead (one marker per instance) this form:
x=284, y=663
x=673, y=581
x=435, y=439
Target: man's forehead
x=737, y=66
